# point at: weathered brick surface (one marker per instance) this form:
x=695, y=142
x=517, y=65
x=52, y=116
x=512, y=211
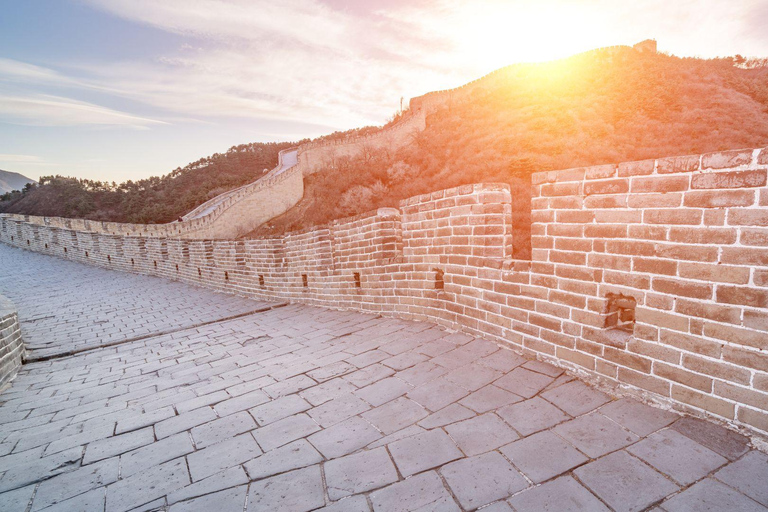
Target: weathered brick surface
x=684, y=238
x=11, y=346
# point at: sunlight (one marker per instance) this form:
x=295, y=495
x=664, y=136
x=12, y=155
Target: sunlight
x=492, y=35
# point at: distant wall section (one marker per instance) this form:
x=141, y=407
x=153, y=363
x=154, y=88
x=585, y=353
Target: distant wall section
x=11, y=346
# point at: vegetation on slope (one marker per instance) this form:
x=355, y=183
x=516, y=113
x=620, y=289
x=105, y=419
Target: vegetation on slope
x=152, y=200
x=587, y=110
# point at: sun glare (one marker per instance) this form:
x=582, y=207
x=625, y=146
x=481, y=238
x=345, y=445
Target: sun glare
x=498, y=34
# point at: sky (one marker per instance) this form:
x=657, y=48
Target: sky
x=114, y=90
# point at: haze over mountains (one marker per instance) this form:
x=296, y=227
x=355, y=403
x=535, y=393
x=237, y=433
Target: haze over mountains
x=595, y=108
x=10, y=181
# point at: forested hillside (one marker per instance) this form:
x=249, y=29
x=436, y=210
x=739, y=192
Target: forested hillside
x=152, y=200
x=591, y=109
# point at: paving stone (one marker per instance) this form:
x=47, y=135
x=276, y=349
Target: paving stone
x=482, y=479
x=344, y=438
x=451, y=414
x=404, y=360
x=241, y=403
x=423, y=451
x=295, y=455
x=18, y=499
x=525, y=383
x=331, y=371
x=289, y=386
x=472, y=376
x=357, y=503
x=727, y=443
x=595, y=434
x=229, y=500
x=91, y=500
x=437, y=394
x=421, y=492
x=369, y=375
x=368, y=358
x=359, y=473
x=116, y=445
x=411, y=431
x=278, y=409
x=156, y=453
x=146, y=486
x=144, y=419
x=576, y=398
x=184, y=422
x=284, y=431
x=637, y=417
x=712, y=496
x=542, y=367
x=562, y=495
x=279, y=492
x=338, y=409
x=481, y=434
x=73, y=483
x=677, y=456
x=201, y=401
x=489, y=398
x=230, y=477
x=532, y=415
x=625, y=483
x=223, y=428
x=422, y=373
x=748, y=475
x=395, y=415
x=328, y=390
x=383, y=391
x=223, y=455
x=543, y=456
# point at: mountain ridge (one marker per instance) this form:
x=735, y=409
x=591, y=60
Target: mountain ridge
x=10, y=181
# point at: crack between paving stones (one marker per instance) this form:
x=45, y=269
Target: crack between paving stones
x=60, y=355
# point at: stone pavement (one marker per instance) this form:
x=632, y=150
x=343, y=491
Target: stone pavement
x=299, y=408
x=66, y=307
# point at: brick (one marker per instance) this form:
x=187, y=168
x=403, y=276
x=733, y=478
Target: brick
x=640, y=168
x=742, y=295
x=682, y=288
x=748, y=217
x=702, y=401
x=613, y=186
x=748, y=358
x=733, y=179
x=719, y=236
x=676, y=216
x=724, y=159
x=736, y=335
x=742, y=395
x=659, y=184
x=714, y=312
x=600, y=172
x=677, y=164
x=687, y=378
x=754, y=236
x=745, y=256
x=717, y=273
x=719, y=198
x=661, y=319
x=717, y=369
x=654, y=266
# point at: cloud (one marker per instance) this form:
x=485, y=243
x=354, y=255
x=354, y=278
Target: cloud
x=27, y=159
x=47, y=110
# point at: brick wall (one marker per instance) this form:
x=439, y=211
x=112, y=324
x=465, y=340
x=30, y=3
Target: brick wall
x=648, y=276
x=11, y=346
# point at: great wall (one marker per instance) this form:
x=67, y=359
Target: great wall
x=650, y=277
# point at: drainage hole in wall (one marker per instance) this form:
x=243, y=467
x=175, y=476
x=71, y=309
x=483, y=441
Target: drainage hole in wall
x=132, y=262
x=226, y=275
x=305, y=280
x=199, y=272
x=261, y=280
x=155, y=262
x=439, y=281
x=356, y=276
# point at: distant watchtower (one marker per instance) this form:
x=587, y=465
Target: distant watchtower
x=649, y=45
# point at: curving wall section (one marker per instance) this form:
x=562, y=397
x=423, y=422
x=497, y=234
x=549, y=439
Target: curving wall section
x=11, y=346
x=648, y=276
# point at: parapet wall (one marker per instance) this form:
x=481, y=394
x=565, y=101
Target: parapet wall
x=11, y=346
x=651, y=276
